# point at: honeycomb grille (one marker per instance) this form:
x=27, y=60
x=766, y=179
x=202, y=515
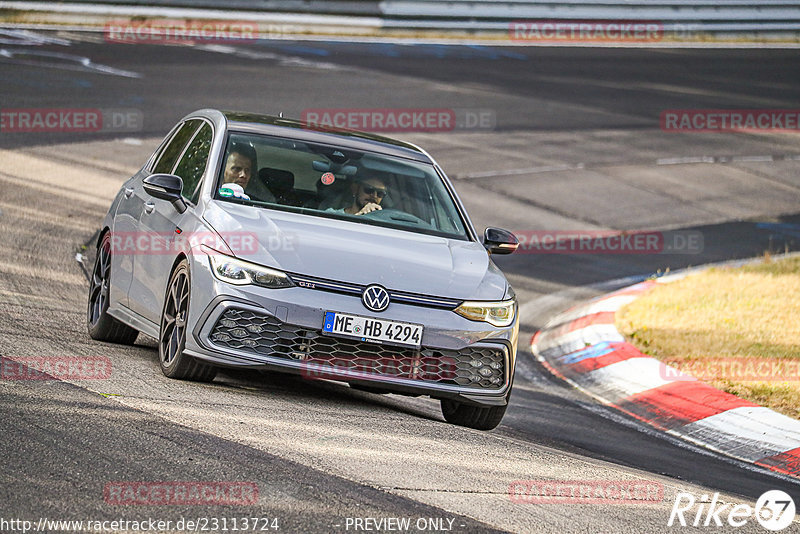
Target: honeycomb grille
x=332, y=357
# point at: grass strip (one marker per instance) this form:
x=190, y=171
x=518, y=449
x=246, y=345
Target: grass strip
x=737, y=329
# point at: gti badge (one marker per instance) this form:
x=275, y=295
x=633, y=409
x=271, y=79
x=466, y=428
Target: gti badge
x=375, y=298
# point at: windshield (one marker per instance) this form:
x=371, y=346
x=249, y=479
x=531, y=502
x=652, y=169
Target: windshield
x=327, y=181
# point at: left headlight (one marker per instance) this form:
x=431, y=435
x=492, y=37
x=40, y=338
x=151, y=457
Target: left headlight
x=238, y=272
x=494, y=313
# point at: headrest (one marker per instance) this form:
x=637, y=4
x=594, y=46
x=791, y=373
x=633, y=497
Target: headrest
x=277, y=180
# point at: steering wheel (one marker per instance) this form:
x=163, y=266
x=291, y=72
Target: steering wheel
x=390, y=214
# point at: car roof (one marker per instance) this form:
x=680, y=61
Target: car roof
x=283, y=127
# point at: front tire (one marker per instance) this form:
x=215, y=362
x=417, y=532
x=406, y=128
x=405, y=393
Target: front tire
x=172, y=335
x=480, y=418
x=100, y=324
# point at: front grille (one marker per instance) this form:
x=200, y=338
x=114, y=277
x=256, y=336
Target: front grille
x=347, y=288
x=329, y=357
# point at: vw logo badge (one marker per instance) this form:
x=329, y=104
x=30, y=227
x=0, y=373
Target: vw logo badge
x=375, y=298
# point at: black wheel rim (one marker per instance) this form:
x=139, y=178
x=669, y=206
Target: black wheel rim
x=98, y=290
x=173, y=322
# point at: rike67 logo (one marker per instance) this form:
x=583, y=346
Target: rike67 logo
x=774, y=511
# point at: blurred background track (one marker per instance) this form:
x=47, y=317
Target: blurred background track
x=678, y=20
x=575, y=145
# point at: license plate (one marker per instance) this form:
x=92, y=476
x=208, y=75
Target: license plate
x=371, y=329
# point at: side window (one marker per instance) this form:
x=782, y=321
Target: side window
x=193, y=163
x=171, y=153
x=163, y=145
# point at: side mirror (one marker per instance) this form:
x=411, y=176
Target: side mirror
x=166, y=187
x=499, y=241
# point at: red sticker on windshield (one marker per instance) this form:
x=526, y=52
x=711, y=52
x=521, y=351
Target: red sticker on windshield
x=327, y=178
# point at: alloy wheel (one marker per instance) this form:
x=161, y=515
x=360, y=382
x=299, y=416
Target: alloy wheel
x=173, y=322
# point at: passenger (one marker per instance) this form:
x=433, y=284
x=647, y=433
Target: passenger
x=240, y=165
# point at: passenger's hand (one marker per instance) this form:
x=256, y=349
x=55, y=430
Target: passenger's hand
x=368, y=208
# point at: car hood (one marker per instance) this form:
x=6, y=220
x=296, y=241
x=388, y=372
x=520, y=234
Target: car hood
x=357, y=253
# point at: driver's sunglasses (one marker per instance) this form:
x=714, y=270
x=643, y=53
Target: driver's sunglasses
x=369, y=190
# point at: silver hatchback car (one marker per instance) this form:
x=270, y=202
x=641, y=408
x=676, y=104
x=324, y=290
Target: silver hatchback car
x=252, y=241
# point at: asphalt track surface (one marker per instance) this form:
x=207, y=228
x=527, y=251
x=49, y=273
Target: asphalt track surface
x=576, y=145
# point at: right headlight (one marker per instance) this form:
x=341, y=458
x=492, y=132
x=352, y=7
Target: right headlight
x=238, y=272
x=495, y=313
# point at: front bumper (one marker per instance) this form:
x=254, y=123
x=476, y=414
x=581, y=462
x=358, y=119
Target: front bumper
x=253, y=327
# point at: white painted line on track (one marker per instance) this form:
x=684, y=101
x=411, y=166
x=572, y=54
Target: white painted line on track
x=58, y=60
x=686, y=160
x=749, y=432
x=284, y=60
x=20, y=37
x=752, y=158
x=628, y=377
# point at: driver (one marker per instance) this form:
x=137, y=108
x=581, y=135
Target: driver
x=368, y=193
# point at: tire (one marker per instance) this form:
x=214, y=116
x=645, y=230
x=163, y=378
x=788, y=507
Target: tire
x=100, y=324
x=172, y=334
x=476, y=417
